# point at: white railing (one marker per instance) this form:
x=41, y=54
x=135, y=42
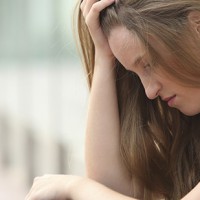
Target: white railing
x=42, y=117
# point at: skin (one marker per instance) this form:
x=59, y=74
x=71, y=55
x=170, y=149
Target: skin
x=107, y=177
x=127, y=48
x=67, y=187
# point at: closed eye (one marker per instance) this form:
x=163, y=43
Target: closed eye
x=147, y=68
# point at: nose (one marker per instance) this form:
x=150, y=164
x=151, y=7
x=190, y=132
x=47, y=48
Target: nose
x=152, y=89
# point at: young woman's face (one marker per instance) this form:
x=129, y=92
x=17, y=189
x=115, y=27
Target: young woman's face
x=130, y=52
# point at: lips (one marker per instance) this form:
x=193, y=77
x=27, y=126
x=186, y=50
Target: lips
x=170, y=100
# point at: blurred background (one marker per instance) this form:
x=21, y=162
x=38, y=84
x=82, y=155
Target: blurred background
x=43, y=95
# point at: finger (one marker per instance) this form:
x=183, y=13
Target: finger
x=86, y=6
x=28, y=195
x=93, y=15
x=82, y=5
x=32, y=188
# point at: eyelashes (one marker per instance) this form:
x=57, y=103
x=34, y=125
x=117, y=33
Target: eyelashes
x=147, y=68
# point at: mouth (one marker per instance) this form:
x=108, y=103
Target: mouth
x=170, y=100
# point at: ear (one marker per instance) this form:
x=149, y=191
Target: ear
x=194, y=20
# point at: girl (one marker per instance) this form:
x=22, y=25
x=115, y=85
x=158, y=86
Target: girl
x=143, y=133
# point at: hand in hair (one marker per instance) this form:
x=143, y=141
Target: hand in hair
x=91, y=10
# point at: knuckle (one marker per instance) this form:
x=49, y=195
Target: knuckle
x=95, y=8
x=87, y=20
x=82, y=7
x=84, y=14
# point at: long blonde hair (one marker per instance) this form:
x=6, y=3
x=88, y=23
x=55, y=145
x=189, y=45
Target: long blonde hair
x=159, y=145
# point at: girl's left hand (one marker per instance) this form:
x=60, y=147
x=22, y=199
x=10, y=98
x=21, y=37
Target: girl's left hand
x=54, y=187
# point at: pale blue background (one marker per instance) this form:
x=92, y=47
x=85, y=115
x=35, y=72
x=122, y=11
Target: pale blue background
x=43, y=97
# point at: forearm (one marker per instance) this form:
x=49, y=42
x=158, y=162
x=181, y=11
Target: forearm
x=194, y=194
x=86, y=189
x=103, y=159
x=60, y=187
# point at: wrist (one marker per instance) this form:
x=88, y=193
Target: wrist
x=107, y=61
x=76, y=186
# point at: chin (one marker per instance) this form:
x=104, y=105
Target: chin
x=190, y=112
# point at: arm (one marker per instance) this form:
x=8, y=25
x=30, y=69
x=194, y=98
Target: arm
x=103, y=162
x=63, y=187
x=194, y=194
x=91, y=190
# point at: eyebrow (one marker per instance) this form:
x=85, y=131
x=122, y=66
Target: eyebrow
x=138, y=60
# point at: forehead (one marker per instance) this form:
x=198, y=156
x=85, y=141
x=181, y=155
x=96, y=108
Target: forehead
x=126, y=46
